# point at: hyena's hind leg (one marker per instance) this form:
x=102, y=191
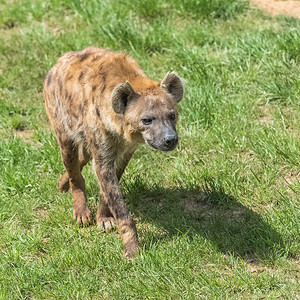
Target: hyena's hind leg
x=84, y=157
x=70, y=159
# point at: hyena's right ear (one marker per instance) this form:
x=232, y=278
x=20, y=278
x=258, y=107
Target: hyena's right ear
x=121, y=97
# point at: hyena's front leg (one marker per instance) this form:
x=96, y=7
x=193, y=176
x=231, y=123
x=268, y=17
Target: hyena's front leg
x=112, y=195
x=105, y=219
x=70, y=159
x=123, y=163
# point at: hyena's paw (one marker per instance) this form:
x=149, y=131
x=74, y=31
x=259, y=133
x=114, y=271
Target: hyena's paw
x=131, y=249
x=63, y=183
x=106, y=224
x=82, y=215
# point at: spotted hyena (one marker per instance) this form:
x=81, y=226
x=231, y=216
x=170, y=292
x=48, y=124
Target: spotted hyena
x=102, y=106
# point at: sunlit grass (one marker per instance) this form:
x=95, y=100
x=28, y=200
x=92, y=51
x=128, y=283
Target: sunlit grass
x=218, y=217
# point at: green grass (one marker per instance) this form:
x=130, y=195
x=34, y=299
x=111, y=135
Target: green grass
x=219, y=216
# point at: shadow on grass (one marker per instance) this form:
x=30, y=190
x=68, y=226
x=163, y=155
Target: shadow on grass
x=209, y=212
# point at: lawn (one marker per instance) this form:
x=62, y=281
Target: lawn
x=219, y=216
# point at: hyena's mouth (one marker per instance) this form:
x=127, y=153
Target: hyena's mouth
x=163, y=146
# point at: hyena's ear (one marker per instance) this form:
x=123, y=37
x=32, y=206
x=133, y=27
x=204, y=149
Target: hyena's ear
x=121, y=97
x=173, y=84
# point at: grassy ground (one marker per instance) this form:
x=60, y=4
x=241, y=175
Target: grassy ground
x=219, y=216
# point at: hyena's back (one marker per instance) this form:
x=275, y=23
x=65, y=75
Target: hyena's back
x=83, y=79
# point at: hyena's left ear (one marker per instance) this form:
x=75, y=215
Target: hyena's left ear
x=173, y=84
x=121, y=96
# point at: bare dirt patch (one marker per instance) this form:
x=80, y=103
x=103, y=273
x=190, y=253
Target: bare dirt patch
x=199, y=207
x=265, y=116
x=254, y=266
x=26, y=135
x=195, y=204
x=42, y=212
x=289, y=8
x=292, y=177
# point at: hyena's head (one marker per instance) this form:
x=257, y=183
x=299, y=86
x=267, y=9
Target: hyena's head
x=150, y=115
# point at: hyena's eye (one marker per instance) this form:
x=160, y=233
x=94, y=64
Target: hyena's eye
x=147, y=121
x=172, y=117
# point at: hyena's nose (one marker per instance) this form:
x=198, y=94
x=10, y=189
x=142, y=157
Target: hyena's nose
x=171, y=140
